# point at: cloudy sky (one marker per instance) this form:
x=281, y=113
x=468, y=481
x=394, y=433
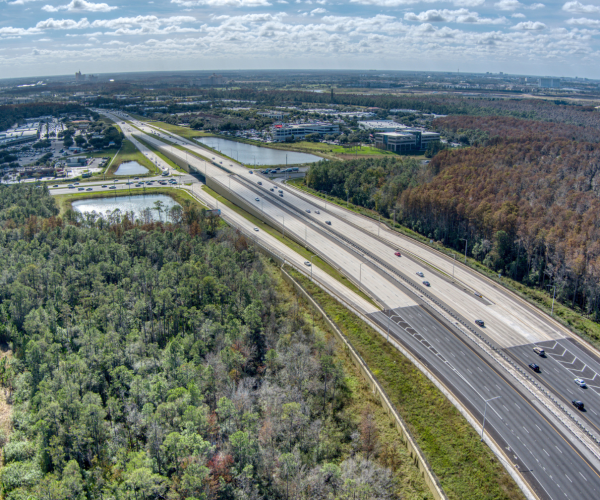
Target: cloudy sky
x=49, y=37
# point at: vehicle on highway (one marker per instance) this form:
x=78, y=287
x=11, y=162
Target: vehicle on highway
x=317, y=212
x=80, y=189
x=256, y=229
x=256, y=199
x=272, y=190
x=280, y=190
x=295, y=169
x=71, y=187
x=534, y=367
x=259, y=183
x=397, y=254
x=306, y=263
x=479, y=322
x=578, y=404
x=281, y=194
x=55, y=186
x=580, y=382
x=251, y=172
x=76, y=183
x=165, y=173
x=328, y=222
x=89, y=189
x=308, y=210
x=426, y=283
x=113, y=187
x=136, y=178
x=419, y=273
x=103, y=185
x=539, y=351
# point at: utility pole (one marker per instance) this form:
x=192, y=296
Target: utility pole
x=553, y=296
x=466, y=245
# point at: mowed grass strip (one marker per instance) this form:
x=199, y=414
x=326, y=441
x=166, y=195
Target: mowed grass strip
x=465, y=467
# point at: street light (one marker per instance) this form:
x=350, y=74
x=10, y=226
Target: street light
x=466, y=240
x=484, y=413
x=553, y=295
x=360, y=275
x=311, y=266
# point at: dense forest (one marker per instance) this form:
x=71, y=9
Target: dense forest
x=156, y=361
x=528, y=208
x=490, y=130
x=16, y=113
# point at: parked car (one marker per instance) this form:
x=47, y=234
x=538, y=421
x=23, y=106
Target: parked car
x=479, y=322
x=534, y=367
x=580, y=382
x=539, y=351
x=578, y=404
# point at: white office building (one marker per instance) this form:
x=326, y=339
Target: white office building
x=283, y=132
x=379, y=125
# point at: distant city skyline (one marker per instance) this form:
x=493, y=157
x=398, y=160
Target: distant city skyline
x=58, y=37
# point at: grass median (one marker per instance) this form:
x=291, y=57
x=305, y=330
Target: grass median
x=466, y=468
x=334, y=273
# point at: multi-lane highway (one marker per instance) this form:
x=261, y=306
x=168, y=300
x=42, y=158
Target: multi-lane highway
x=545, y=453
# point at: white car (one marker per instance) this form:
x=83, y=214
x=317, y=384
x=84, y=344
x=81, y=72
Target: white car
x=581, y=383
x=317, y=212
x=256, y=229
x=307, y=263
x=256, y=199
x=307, y=210
x=420, y=274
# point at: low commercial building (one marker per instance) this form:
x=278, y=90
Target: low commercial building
x=378, y=125
x=406, y=139
x=20, y=135
x=283, y=132
x=76, y=161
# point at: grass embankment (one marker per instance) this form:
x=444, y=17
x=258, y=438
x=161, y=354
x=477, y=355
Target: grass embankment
x=578, y=323
x=317, y=261
x=465, y=467
x=127, y=153
x=390, y=450
x=65, y=201
x=160, y=155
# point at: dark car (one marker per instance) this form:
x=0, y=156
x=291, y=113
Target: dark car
x=259, y=183
x=479, y=322
x=534, y=367
x=578, y=405
x=426, y=283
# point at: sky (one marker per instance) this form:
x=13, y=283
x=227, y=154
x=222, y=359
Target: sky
x=57, y=37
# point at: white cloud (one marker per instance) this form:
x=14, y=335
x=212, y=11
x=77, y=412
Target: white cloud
x=80, y=5
x=530, y=26
x=62, y=24
x=451, y=16
x=22, y=2
x=535, y=6
x=318, y=11
x=518, y=15
x=508, y=5
x=592, y=23
x=468, y=3
x=579, y=8
x=222, y=3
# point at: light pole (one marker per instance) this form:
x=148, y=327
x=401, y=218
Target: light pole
x=484, y=414
x=466, y=240
x=553, y=295
x=311, y=266
x=360, y=275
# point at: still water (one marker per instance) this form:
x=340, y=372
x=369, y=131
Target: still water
x=131, y=168
x=135, y=204
x=251, y=155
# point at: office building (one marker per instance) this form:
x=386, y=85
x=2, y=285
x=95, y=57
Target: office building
x=406, y=139
x=379, y=125
x=549, y=83
x=282, y=132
